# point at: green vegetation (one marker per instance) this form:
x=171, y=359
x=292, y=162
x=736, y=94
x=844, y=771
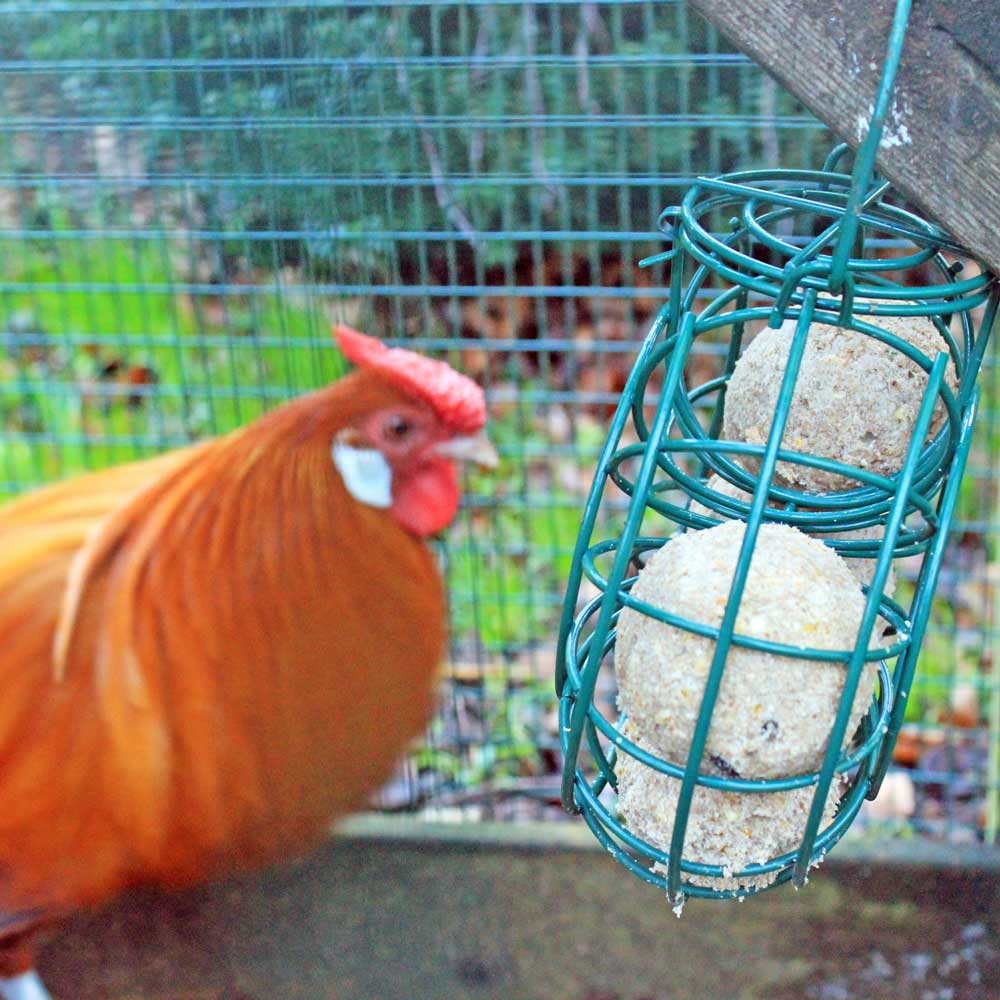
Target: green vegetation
x=81, y=389
x=328, y=100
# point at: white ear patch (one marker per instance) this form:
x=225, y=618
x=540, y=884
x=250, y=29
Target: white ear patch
x=366, y=474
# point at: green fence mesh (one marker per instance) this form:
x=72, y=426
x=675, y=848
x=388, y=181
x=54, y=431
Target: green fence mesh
x=191, y=189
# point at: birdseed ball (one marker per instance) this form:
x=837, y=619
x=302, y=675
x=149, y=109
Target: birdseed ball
x=863, y=569
x=856, y=399
x=773, y=713
x=729, y=829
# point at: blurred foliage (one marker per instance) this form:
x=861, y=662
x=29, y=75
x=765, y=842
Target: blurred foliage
x=496, y=91
x=69, y=403
x=512, y=551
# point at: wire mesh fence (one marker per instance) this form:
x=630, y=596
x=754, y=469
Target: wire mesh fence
x=191, y=189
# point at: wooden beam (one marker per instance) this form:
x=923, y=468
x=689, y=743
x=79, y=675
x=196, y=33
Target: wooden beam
x=941, y=144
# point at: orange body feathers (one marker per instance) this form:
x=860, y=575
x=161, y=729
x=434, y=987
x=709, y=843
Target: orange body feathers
x=208, y=656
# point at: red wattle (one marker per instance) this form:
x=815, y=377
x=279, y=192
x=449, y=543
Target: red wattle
x=425, y=501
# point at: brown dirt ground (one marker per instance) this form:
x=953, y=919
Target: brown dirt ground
x=377, y=920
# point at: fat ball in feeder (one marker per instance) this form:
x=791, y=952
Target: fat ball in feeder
x=731, y=830
x=862, y=568
x=856, y=397
x=798, y=593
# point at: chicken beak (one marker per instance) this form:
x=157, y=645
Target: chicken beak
x=477, y=449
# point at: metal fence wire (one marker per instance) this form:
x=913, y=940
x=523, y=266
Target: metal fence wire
x=190, y=190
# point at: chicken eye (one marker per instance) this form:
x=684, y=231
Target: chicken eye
x=398, y=427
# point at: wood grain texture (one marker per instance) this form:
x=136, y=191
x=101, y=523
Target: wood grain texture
x=941, y=144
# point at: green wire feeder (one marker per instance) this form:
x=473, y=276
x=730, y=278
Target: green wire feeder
x=830, y=280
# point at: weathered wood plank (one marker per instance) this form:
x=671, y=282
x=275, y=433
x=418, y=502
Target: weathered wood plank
x=941, y=145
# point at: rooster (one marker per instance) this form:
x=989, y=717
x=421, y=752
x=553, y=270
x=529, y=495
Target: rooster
x=207, y=656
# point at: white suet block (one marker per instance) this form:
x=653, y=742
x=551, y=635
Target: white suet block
x=863, y=569
x=729, y=829
x=773, y=714
x=856, y=398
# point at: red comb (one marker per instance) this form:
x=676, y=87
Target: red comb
x=456, y=399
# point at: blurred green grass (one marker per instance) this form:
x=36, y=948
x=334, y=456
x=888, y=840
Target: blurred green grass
x=162, y=371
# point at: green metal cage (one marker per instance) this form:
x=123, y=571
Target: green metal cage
x=824, y=276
